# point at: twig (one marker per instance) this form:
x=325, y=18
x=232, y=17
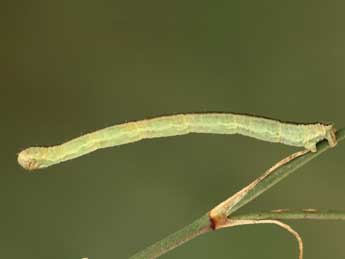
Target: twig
x=204, y=224
x=240, y=222
x=219, y=214
x=287, y=214
x=198, y=227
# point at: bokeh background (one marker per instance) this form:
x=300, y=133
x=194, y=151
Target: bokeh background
x=71, y=67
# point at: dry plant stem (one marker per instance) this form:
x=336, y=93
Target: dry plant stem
x=220, y=213
x=203, y=224
x=240, y=222
x=287, y=214
x=198, y=227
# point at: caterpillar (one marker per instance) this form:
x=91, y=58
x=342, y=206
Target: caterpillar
x=266, y=129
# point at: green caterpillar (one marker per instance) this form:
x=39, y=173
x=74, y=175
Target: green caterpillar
x=300, y=135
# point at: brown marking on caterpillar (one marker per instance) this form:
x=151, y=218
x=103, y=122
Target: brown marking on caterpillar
x=26, y=162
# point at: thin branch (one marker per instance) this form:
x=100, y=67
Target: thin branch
x=286, y=214
x=198, y=227
x=240, y=222
x=204, y=224
x=220, y=213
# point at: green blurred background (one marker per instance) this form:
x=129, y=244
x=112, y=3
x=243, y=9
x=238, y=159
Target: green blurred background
x=70, y=67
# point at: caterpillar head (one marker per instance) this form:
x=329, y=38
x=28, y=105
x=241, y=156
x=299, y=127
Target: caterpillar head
x=30, y=158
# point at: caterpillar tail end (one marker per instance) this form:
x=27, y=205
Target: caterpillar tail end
x=331, y=137
x=26, y=160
